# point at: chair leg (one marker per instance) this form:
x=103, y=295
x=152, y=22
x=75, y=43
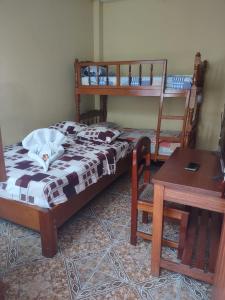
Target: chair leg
x=134, y=216
x=182, y=234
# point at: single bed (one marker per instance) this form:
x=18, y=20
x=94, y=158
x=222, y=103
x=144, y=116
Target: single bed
x=43, y=201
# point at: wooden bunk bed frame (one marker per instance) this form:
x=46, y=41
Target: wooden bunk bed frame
x=192, y=105
x=46, y=221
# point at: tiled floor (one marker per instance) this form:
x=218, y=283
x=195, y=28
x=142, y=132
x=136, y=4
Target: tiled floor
x=95, y=259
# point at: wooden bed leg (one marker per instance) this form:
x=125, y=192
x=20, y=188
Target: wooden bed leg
x=48, y=232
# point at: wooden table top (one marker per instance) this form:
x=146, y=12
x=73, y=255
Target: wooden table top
x=172, y=173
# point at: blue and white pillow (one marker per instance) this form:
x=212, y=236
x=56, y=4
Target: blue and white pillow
x=93, y=71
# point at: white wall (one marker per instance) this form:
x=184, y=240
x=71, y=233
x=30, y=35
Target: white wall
x=39, y=40
x=173, y=29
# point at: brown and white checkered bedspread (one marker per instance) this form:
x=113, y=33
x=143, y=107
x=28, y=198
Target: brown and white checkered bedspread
x=82, y=164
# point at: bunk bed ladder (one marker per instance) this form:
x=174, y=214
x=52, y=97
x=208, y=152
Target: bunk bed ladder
x=159, y=138
x=160, y=109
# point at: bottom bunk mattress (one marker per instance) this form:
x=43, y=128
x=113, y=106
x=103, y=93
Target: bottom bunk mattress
x=165, y=148
x=82, y=164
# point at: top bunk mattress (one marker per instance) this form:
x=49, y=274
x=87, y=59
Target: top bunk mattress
x=172, y=81
x=82, y=164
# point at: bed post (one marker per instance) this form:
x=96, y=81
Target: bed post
x=197, y=65
x=77, y=101
x=77, y=83
x=195, y=99
x=103, y=108
x=2, y=161
x=48, y=232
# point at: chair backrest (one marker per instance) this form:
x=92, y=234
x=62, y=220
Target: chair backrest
x=141, y=159
x=2, y=161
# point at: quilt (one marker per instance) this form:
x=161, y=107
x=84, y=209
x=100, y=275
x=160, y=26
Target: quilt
x=82, y=164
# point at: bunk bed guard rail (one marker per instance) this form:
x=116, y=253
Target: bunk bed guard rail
x=93, y=75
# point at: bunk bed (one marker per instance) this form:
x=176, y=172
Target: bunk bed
x=151, y=79
x=16, y=165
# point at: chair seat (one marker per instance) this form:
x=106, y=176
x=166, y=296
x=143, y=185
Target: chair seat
x=146, y=195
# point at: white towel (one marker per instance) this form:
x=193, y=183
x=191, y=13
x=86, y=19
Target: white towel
x=44, y=145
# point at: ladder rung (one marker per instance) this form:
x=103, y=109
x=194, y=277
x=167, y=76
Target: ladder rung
x=170, y=139
x=166, y=117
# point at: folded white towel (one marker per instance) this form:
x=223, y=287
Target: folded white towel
x=44, y=145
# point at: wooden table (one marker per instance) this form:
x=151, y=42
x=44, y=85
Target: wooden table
x=196, y=189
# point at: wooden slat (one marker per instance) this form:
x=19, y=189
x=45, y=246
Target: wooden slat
x=117, y=77
x=118, y=90
x=107, y=75
x=122, y=62
x=151, y=74
x=89, y=76
x=219, y=279
x=98, y=75
x=171, y=139
x=200, y=256
x=187, y=270
x=130, y=78
x=191, y=238
x=214, y=230
x=168, y=117
x=165, y=242
x=171, y=213
x=140, y=74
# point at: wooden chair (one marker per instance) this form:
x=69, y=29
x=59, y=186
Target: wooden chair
x=142, y=199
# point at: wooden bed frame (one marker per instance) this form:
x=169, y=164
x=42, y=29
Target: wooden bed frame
x=47, y=221
x=191, y=96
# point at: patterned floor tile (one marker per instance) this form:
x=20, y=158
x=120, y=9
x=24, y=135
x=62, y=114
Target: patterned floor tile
x=113, y=207
x=135, y=260
x=24, y=250
x=4, y=228
x=116, y=231
x=124, y=292
x=90, y=274
x=16, y=231
x=42, y=280
x=4, y=245
x=121, y=186
x=163, y=288
x=83, y=235
x=95, y=259
x=195, y=289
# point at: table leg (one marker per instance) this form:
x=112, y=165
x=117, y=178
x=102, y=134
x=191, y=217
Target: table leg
x=219, y=277
x=157, y=230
